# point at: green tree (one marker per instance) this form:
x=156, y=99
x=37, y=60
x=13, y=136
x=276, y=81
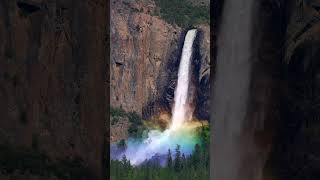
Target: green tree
x=183, y=161
x=177, y=161
x=122, y=144
x=196, y=156
x=169, y=159
x=126, y=163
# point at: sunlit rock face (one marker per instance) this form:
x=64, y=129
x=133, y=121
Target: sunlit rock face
x=145, y=55
x=141, y=46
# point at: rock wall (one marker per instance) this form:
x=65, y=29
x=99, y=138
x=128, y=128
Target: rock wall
x=145, y=52
x=53, y=63
x=140, y=47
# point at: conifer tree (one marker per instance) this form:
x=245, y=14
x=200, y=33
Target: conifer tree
x=169, y=159
x=183, y=161
x=177, y=161
x=196, y=157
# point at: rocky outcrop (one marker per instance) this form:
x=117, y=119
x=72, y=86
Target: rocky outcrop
x=202, y=110
x=119, y=129
x=52, y=88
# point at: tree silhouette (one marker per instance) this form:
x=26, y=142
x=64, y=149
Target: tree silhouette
x=169, y=159
x=177, y=161
x=183, y=161
x=196, y=157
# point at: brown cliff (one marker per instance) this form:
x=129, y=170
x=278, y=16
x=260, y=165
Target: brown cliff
x=143, y=50
x=140, y=47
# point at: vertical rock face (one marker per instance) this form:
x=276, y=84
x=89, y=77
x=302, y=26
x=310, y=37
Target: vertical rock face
x=141, y=45
x=52, y=85
x=144, y=53
x=202, y=110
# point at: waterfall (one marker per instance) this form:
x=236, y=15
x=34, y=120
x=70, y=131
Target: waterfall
x=179, y=112
x=231, y=153
x=158, y=142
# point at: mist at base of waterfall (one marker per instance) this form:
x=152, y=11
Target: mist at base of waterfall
x=157, y=143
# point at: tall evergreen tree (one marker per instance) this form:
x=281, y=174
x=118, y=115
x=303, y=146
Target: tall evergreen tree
x=183, y=161
x=169, y=159
x=196, y=156
x=177, y=161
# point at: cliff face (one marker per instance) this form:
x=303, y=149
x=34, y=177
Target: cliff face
x=140, y=48
x=144, y=51
x=52, y=88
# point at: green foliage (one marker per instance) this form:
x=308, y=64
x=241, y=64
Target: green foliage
x=196, y=157
x=205, y=135
x=117, y=112
x=122, y=144
x=136, y=128
x=177, y=160
x=169, y=159
x=183, y=13
x=180, y=168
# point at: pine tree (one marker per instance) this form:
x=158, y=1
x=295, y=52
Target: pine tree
x=196, y=157
x=177, y=161
x=122, y=144
x=183, y=161
x=169, y=159
x=124, y=160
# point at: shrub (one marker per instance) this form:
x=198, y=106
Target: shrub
x=114, y=111
x=136, y=128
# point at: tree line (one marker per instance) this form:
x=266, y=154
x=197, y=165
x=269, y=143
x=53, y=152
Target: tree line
x=178, y=166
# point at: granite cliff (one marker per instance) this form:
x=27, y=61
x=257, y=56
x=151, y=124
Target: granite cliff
x=145, y=52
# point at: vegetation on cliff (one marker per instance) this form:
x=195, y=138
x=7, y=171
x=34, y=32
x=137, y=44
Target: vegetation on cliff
x=136, y=127
x=182, y=12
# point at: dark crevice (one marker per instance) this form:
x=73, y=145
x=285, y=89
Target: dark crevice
x=119, y=63
x=28, y=7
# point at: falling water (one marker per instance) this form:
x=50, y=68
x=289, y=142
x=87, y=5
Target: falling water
x=230, y=151
x=179, y=113
x=180, y=133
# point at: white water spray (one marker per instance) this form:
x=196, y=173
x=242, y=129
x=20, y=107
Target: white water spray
x=179, y=113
